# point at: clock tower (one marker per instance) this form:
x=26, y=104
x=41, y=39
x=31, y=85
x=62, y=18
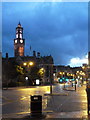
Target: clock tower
x=19, y=42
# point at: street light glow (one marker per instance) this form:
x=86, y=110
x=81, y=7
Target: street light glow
x=26, y=78
x=31, y=63
x=24, y=64
x=83, y=67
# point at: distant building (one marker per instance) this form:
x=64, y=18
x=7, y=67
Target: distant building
x=89, y=65
x=62, y=68
x=64, y=71
x=75, y=69
x=89, y=58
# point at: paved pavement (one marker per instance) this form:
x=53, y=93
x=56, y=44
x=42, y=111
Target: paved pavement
x=66, y=103
x=73, y=106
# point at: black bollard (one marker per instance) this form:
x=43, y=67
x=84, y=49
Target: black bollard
x=36, y=106
x=64, y=84
x=75, y=86
x=88, y=99
x=72, y=84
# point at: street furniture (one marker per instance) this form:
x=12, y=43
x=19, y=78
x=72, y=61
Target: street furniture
x=36, y=106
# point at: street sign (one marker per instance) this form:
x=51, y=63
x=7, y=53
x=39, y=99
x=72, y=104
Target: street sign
x=37, y=82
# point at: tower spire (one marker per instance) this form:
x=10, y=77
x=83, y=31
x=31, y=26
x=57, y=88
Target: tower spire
x=19, y=24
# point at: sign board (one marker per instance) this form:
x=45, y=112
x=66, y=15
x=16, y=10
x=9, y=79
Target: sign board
x=37, y=82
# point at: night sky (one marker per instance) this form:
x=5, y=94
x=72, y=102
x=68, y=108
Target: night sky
x=59, y=29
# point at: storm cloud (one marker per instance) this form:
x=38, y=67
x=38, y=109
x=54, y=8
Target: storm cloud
x=57, y=29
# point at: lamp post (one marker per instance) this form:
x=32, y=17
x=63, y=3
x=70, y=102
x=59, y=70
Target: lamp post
x=28, y=66
x=50, y=81
x=51, y=78
x=50, y=86
x=75, y=83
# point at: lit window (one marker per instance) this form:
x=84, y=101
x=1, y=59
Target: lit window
x=16, y=35
x=15, y=41
x=21, y=51
x=20, y=35
x=20, y=31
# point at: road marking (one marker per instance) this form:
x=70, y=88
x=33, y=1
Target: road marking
x=22, y=98
x=57, y=94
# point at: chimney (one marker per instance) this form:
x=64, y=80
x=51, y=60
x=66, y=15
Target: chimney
x=34, y=53
x=6, y=55
x=38, y=54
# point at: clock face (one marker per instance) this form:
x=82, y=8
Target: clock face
x=15, y=41
x=21, y=41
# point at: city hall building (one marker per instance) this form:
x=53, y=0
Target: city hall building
x=44, y=63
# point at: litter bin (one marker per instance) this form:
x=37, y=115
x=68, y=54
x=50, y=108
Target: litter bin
x=88, y=99
x=36, y=105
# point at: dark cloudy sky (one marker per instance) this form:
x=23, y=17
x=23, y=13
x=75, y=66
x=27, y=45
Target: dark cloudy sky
x=59, y=29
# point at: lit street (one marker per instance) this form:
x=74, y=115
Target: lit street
x=16, y=101
x=45, y=60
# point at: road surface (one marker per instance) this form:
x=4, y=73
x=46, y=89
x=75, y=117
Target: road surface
x=17, y=101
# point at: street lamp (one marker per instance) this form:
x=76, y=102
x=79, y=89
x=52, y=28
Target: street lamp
x=26, y=78
x=28, y=65
x=24, y=63
x=31, y=63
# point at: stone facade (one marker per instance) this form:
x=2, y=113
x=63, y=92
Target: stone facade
x=44, y=63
